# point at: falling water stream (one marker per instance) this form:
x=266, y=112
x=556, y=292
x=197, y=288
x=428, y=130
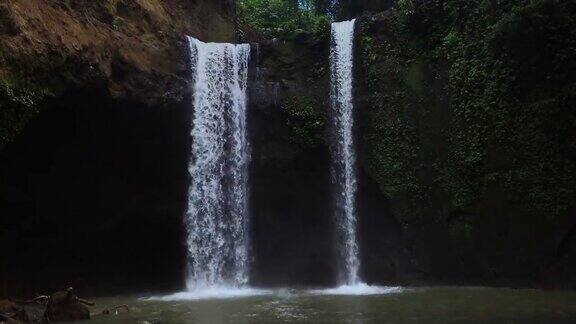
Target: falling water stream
x=343, y=153
x=217, y=215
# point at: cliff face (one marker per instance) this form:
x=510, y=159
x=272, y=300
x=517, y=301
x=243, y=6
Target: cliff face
x=95, y=121
x=464, y=125
x=293, y=225
x=292, y=232
x=465, y=113
x=134, y=49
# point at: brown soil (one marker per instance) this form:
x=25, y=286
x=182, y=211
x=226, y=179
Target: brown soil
x=136, y=46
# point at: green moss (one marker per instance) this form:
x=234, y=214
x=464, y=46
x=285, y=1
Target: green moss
x=414, y=78
x=391, y=134
x=305, y=124
x=498, y=106
x=461, y=230
x=467, y=98
x=224, y=32
x=18, y=104
x=27, y=81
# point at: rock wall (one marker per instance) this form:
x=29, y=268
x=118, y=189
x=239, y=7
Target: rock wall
x=290, y=177
x=293, y=228
x=95, y=123
x=466, y=110
x=464, y=128
x=466, y=173
x=133, y=47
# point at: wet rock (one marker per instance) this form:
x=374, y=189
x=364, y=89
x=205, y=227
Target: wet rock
x=9, y=320
x=10, y=312
x=66, y=306
x=7, y=306
x=116, y=310
x=34, y=312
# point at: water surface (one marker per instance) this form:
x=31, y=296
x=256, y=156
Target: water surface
x=422, y=305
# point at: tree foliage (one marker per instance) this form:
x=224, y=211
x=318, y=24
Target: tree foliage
x=282, y=18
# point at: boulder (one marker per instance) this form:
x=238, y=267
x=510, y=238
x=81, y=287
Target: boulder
x=10, y=312
x=66, y=306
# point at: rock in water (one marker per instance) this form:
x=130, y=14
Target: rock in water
x=65, y=306
x=10, y=312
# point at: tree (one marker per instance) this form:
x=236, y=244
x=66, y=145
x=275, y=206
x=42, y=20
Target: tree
x=281, y=18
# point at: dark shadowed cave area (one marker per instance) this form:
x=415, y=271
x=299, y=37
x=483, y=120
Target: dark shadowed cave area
x=95, y=189
x=292, y=230
x=291, y=224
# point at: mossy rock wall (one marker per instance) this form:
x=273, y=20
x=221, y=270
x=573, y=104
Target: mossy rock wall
x=468, y=119
x=289, y=174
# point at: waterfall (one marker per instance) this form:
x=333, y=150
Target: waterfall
x=217, y=216
x=342, y=148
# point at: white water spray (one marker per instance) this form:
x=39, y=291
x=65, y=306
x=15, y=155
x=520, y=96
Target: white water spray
x=217, y=215
x=343, y=153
